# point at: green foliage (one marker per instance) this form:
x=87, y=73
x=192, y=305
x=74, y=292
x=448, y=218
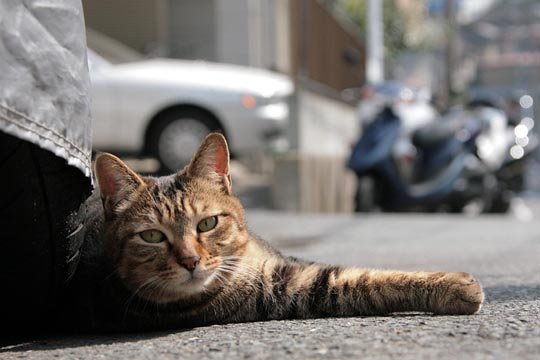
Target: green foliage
x=394, y=24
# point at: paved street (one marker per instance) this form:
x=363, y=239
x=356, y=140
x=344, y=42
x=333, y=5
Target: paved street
x=502, y=251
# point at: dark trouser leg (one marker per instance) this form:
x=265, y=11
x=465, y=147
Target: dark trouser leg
x=40, y=196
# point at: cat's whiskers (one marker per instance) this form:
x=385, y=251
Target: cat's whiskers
x=246, y=273
x=148, y=282
x=157, y=286
x=220, y=278
x=158, y=291
x=239, y=271
x=244, y=268
x=216, y=275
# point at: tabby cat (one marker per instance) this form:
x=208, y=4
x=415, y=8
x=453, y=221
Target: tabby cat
x=175, y=251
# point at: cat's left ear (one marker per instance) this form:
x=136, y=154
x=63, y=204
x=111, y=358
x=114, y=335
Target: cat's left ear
x=118, y=184
x=212, y=161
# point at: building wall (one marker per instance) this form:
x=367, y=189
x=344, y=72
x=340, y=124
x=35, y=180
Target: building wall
x=133, y=22
x=232, y=31
x=193, y=32
x=253, y=33
x=322, y=49
x=282, y=48
x=293, y=37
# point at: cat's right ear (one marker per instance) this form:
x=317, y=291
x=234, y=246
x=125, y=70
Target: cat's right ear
x=117, y=183
x=212, y=161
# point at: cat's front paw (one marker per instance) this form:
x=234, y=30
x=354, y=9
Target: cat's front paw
x=458, y=294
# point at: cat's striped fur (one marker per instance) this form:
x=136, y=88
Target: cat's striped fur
x=237, y=277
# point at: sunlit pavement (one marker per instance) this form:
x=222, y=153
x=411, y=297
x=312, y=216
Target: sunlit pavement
x=502, y=251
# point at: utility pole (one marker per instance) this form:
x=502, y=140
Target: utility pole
x=375, y=44
x=450, y=50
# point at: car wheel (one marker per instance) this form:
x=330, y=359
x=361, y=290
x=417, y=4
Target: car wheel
x=177, y=136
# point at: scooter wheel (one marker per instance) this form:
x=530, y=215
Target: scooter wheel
x=365, y=196
x=500, y=204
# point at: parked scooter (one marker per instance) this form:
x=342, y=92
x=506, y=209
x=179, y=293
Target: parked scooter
x=410, y=158
x=419, y=172
x=505, y=147
x=510, y=171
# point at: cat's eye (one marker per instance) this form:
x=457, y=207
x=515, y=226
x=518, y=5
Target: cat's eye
x=207, y=224
x=153, y=236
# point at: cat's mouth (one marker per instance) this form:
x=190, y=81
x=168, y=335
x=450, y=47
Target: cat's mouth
x=195, y=281
x=176, y=285
x=193, y=278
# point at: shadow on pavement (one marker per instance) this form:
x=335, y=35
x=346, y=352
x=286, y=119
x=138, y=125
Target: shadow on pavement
x=494, y=294
x=69, y=341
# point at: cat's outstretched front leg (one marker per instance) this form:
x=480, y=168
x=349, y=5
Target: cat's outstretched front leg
x=381, y=292
x=317, y=290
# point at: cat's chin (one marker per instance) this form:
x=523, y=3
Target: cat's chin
x=190, y=287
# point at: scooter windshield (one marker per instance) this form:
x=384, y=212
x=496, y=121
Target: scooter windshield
x=375, y=145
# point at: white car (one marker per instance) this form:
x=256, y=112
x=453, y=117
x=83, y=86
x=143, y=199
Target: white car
x=165, y=107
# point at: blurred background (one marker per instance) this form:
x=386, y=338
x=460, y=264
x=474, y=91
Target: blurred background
x=328, y=105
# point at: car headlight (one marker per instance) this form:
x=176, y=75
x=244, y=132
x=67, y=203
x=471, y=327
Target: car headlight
x=277, y=111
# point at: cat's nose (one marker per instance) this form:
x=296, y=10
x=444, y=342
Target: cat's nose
x=190, y=262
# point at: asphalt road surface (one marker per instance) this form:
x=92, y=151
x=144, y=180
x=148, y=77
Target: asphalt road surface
x=503, y=252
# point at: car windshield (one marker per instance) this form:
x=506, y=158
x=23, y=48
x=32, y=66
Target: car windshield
x=108, y=48
x=96, y=62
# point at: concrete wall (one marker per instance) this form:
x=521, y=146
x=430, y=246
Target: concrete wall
x=313, y=178
x=326, y=127
x=312, y=184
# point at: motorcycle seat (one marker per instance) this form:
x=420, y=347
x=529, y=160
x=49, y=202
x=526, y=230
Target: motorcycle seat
x=433, y=134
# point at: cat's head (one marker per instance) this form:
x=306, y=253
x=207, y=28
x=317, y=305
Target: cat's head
x=173, y=237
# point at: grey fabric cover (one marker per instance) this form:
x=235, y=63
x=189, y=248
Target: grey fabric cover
x=44, y=77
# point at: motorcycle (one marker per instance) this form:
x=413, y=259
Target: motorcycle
x=510, y=170
x=521, y=140
x=421, y=169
